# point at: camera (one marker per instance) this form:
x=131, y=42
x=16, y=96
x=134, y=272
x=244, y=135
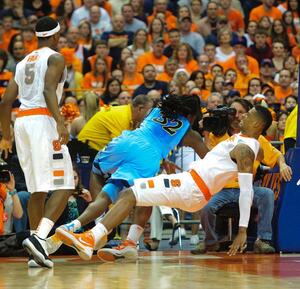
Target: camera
x=218, y=120
x=4, y=172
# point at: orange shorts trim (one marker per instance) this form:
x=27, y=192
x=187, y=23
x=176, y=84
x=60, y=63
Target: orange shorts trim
x=34, y=111
x=59, y=173
x=201, y=185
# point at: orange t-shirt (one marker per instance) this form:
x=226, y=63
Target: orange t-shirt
x=3, y=193
x=282, y=94
x=258, y=12
x=230, y=63
x=5, y=77
x=149, y=58
x=6, y=37
x=31, y=45
x=235, y=18
x=164, y=77
x=204, y=94
x=242, y=81
x=171, y=20
x=130, y=84
x=91, y=81
x=108, y=60
x=296, y=53
x=191, y=66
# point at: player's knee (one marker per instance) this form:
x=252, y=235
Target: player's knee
x=128, y=195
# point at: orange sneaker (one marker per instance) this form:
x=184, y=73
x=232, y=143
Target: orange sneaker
x=126, y=250
x=82, y=243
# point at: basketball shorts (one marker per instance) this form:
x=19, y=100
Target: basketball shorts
x=46, y=164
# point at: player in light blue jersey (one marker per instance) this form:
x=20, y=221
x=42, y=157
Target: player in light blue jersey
x=138, y=154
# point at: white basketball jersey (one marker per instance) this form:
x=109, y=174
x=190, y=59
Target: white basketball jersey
x=30, y=77
x=217, y=167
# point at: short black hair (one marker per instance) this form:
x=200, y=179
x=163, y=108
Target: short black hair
x=265, y=115
x=45, y=24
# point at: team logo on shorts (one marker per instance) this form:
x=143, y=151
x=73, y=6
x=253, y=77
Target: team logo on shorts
x=56, y=145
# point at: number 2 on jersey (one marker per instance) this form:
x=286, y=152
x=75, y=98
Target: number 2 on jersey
x=169, y=125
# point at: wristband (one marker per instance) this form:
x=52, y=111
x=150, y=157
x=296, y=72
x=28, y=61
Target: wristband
x=13, y=192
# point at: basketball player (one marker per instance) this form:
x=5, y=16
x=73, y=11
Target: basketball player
x=40, y=135
x=138, y=153
x=191, y=190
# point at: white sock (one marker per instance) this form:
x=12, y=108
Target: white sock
x=99, y=231
x=73, y=226
x=135, y=233
x=44, y=228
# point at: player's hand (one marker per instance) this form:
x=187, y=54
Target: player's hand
x=239, y=244
x=86, y=195
x=11, y=184
x=63, y=133
x=286, y=172
x=170, y=167
x=6, y=147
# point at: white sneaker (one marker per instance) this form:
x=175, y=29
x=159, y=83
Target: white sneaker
x=194, y=240
x=32, y=263
x=53, y=244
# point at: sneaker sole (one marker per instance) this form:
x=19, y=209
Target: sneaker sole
x=69, y=240
x=33, y=264
x=37, y=255
x=111, y=255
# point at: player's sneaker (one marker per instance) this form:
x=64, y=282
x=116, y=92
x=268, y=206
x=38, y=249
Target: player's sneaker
x=32, y=263
x=126, y=250
x=53, y=243
x=35, y=248
x=82, y=243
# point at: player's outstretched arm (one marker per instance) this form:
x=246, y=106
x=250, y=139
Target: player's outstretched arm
x=244, y=157
x=10, y=95
x=56, y=66
x=194, y=140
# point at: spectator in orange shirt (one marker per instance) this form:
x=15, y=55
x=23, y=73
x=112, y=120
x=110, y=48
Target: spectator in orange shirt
x=96, y=79
x=279, y=32
x=30, y=40
x=171, y=66
x=155, y=57
x=266, y=9
x=100, y=48
x=288, y=22
x=234, y=16
x=283, y=89
x=157, y=30
x=199, y=78
x=132, y=79
x=85, y=34
x=8, y=31
x=118, y=74
x=230, y=75
x=183, y=54
x=5, y=75
x=160, y=6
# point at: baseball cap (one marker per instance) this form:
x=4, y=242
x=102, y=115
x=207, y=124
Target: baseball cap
x=240, y=41
x=233, y=93
x=267, y=61
x=186, y=18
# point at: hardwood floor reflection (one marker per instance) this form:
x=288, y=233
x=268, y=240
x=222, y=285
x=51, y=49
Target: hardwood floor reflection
x=158, y=270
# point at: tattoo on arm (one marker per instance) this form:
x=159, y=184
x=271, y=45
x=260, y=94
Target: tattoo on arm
x=244, y=157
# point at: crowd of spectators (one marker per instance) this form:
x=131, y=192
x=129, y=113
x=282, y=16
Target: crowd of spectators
x=221, y=50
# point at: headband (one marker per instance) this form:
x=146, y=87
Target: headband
x=48, y=33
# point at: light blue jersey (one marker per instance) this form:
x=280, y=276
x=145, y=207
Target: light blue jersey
x=137, y=154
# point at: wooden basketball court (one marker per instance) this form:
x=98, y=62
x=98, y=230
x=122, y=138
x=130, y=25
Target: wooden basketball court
x=161, y=270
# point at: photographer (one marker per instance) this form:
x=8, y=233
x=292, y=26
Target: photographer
x=10, y=205
x=222, y=124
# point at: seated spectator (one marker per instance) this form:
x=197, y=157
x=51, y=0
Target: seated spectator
x=208, y=24
x=184, y=11
x=111, y=92
x=267, y=71
x=29, y=38
x=199, y=78
x=155, y=57
x=183, y=55
x=230, y=76
x=17, y=52
x=171, y=66
x=181, y=77
x=118, y=74
x=196, y=10
x=210, y=51
x=131, y=24
x=290, y=103
x=254, y=86
x=260, y=49
x=278, y=55
x=5, y=75
x=124, y=98
x=132, y=78
x=140, y=44
x=279, y=33
x=98, y=25
x=85, y=32
x=65, y=9
x=96, y=79
x=214, y=100
x=157, y=31
x=250, y=32
x=266, y=9
x=204, y=63
x=150, y=82
x=138, y=10
x=283, y=89
x=39, y=8
x=224, y=51
x=7, y=31
x=217, y=70
x=218, y=84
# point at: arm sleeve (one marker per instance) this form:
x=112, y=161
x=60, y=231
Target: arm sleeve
x=246, y=197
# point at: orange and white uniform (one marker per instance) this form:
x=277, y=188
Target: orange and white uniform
x=46, y=164
x=191, y=190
